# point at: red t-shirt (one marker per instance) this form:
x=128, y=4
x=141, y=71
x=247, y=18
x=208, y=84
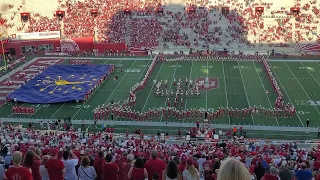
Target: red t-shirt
x=182, y=167
x=98, y=167
x=20, y=173
x=35, y=169
x=109, y=171
x=137, y=173
x=126, y=168
x=121, y=172
x=155, y=166
x=54, y=167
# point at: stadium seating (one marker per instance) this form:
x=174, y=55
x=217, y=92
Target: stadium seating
x=176, y=28
x=251, y=152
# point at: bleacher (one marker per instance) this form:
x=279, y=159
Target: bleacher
x=177, y=28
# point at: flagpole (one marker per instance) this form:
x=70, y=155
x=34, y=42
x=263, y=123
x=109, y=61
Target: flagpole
x=4, y=57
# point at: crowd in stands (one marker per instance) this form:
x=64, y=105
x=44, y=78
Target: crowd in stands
x=110, y=156
x=136, y=23
x=41, y=24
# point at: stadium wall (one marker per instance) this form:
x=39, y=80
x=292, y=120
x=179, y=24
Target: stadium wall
x=108, y=46
x=65, y=45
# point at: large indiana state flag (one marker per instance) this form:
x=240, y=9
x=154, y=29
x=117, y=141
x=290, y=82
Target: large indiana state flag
x=61, y=83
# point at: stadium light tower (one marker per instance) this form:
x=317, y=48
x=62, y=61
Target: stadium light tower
x=2, y=33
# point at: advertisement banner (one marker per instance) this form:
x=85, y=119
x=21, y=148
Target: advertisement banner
x=38, y=35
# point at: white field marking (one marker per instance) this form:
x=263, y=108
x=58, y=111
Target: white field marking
x=185, y=105
x=101, y=85
x=151, y=88
x=310, y=74
x=245, y=90
x=301, y=86
x=287, y=95
x=65, y=103
x=170, y=86
x=207, y=91
x=225, y=89
x=264, y=88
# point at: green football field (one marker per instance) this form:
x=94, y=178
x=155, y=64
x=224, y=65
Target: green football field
x=240, y=84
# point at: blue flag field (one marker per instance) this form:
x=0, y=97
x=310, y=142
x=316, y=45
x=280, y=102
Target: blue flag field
x=61, y=83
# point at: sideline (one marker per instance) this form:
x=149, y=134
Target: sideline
x=170, y=124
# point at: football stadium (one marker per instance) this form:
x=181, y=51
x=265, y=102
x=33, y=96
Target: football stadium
x=189, y=85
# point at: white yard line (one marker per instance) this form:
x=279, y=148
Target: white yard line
x=185, y=105
x=65, y=103
x=225, y=89
x=301, y=86
x=264, y=89
x=110, y=94
x=170, y=86
x=207, y=91
x=286, y=93
x=245, y=90
x=151, y=88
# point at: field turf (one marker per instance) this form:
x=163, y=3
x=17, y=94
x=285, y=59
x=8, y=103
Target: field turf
x=240, y=84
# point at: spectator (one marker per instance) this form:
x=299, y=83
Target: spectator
x=259, y=171
x=98, y=165
x=248, y=160
x=55, y=166
x=200, y=163
x=138, y=172
x=155, y=165
x=127, y=166
x=285, y=173
x=70, y=164
x=216, y=164
x=209, y=175
x=232, y=169
x=120, y=165
x=273, y=175
x=32, y=161
x=303, y=173
x=17, y=171
x=2, y=172
x=85, y=171
x=109, y=170
x=172, y=172
x=4, y=150
x=8, y=160
x=190, y=173
x=43, y=171
x=183, y=162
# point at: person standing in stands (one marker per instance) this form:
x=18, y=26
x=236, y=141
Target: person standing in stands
x=98, y=165
x=138, y=172
x=127, y=166
x=55, y=166
x=303, y=173
x=17, y=171
x=120, y=165
x=70, y=160
x=259, y=171
x=85, y=171
x=109, y=169
x=33, y=162
x=154, y=165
